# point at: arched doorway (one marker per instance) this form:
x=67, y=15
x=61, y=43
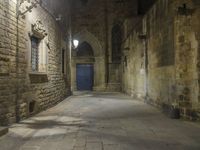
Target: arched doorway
x=85, y=70
x=97, y=60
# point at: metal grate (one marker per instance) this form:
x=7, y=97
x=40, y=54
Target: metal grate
x=63, y=60
x=34, y=53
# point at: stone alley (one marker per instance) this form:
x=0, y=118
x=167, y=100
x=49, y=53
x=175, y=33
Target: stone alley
x=102, y=121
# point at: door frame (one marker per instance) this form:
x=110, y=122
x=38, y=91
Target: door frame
x=91, y=64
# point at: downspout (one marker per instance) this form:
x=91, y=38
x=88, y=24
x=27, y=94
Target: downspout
x=17, y=107
x=146, y=61
x=106, y=45
x=70, y=46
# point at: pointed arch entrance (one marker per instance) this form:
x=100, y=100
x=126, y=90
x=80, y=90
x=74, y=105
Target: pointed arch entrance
x=85, y=70
x=95, y=57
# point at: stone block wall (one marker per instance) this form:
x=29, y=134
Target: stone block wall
x=133, y=62
x=93, y=22
x=171, y=29
x=159, y=29
x=187, y=41
x=19, y=87
x=88, y=25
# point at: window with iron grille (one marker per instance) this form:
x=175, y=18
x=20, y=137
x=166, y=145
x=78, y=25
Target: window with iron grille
x=116, y=43
x=63, y=61
x=35, y=54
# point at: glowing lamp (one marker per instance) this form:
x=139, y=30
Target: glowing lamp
x=75, y=43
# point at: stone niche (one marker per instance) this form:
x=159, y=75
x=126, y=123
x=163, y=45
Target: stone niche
x=32, y=107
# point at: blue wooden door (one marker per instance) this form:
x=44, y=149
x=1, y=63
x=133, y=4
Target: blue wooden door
x=84, y=77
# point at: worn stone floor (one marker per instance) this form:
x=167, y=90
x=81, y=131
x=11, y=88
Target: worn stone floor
x=106, y=121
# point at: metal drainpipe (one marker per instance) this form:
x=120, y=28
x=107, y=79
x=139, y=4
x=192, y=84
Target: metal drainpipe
x=146, y=67
x=70, y=46
x=17, y=63
x=106, y=42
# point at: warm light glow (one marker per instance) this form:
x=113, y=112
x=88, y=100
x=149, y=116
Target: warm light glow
x=75, y=43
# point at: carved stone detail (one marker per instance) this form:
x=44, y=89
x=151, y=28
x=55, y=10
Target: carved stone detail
x=38, y=30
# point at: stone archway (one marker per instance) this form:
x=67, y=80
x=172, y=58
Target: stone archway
x=98, y=60
x=84, y=69
x=86, y=36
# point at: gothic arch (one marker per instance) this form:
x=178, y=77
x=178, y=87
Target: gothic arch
x=85, y=50
x=86, y=36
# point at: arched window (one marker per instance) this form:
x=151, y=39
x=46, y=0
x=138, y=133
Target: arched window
x=116, y=43
x=85, y=50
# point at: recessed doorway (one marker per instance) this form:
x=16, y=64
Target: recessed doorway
x=85, y=77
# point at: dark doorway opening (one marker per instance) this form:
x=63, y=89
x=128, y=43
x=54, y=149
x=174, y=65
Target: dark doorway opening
x=31, y=107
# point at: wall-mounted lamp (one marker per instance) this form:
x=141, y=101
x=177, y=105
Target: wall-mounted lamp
x=27, y=8
x=75, y=43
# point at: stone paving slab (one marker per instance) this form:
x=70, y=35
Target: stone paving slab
x=102, y=121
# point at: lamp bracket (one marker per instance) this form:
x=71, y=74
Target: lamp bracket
x=33, y=4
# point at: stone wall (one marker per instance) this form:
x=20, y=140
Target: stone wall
x=159, y=26
x=88, y=25
x=93, y=22
x=133, y=62
x=171, y=30
x=19, y=86
x=187, y=48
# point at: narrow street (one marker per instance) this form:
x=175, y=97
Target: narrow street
x=102, y=121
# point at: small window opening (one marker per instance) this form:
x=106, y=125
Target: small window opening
x=31, y=106
x=35, y=53
x=63, y=61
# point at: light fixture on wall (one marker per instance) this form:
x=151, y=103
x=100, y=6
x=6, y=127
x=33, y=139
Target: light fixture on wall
x=75, y=43
x=28, y=7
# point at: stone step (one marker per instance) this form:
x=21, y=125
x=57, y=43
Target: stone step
x=3, y=131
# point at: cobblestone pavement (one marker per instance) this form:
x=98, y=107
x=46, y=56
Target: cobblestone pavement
x=106, y=121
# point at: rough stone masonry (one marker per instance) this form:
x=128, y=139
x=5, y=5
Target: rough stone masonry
x=20, y=87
